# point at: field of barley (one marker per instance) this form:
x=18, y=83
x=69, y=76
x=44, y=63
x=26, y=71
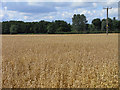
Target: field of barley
x=60, y=61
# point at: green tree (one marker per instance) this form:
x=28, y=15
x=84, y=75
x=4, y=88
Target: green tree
x=119, y=26
x=97, y=24
x=13, y=29
x=115, y=24
x=42, y=25
x=5, y=27
x=91, y=27
x=51, y=28
x=110, y=24
x=62, y=26
x=79, y=22
x=103, y=25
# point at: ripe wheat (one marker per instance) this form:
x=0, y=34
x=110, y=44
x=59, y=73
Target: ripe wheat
x=60, y=61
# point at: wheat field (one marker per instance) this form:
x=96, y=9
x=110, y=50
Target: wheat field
x=60, y=61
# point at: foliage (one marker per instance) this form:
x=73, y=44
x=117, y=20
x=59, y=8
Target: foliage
x=62, y=26
x=79, y=25
x=91, y=27
x=79, y=22
x=97, y=24
x=13, y=29
x=115, y=23
x=51, y=28
x=103, y=25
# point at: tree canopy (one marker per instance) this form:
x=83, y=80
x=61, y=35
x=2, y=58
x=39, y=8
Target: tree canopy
x=79, y=22
x=79, y=25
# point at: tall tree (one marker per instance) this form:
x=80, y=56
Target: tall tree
x=110, y=24
x=79, y=22
x=115, y=24
x=97, y=23
x=103, y=25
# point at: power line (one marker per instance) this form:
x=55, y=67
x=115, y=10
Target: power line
x=107, y=19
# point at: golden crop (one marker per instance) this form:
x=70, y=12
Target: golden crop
x=60, y=61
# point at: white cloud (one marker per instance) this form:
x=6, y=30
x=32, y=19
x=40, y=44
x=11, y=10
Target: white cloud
x=13, y=15
x=5, y=8
x=94, y=4
x=62, y=13
x=76, y=4
x=84, y=12
x=36, y=4
x=113, y=12
x=94, y=11
x=25, y=17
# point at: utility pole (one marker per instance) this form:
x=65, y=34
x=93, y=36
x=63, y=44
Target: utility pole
x=107, y=19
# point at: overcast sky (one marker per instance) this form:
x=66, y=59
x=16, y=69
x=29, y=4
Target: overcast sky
x=50, y=11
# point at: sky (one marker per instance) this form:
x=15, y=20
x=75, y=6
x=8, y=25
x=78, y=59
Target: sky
x=50, y=10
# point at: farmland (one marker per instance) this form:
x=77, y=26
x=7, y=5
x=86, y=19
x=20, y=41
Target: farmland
x=60, y=61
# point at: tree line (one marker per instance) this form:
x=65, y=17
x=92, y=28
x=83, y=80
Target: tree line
x=79, y=25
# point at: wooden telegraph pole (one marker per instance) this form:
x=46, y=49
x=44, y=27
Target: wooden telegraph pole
x=107, y=19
